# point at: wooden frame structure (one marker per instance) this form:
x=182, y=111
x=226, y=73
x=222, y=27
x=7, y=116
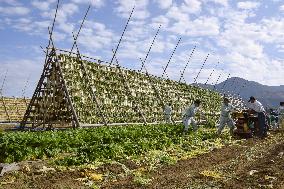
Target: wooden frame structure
x=51, y=103
x=54, y=103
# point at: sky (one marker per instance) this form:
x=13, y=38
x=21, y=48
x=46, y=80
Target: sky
x=245, y=37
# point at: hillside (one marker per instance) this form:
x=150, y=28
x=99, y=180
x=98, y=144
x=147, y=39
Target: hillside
x=269, y=96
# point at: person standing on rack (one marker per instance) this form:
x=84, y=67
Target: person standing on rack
x=257, y=107
x=189, y=114
x=225, y=117
x=168, y=113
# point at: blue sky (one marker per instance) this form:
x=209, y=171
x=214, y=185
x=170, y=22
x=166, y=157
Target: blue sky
x=246, y=37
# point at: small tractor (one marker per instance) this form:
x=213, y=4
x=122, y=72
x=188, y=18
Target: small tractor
x=246, y=124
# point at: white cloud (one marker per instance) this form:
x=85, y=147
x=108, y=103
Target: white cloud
x=164, y=4
x=58, y=37
x=18, y=72
x=255, y=69
x=191, y=6
x=64, y=15
x=41, y=5
x=240, y=43
x=244, y=45
x=203, y=26
x=38, y=28
x=14, y=11
x=11, y=2
x=250, y=49
x=23, y=24
x=130, y=50
x=95, y=3
x=175, y=13
x=274, y=28
x=125, y=6
x=95, y=36
x=67, y=10
x=220, y=2
x=156, y=21
x=281, y=8
x=248, y=5
x=275, y=77
x=64, y=12
x=135, y=33
x=141, y=14
x=280, y=48
x=161, y=44
x=178, y=20
x=28, y=25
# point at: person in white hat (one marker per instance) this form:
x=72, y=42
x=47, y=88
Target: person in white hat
x=189, y=114
x=225, y=117
x=168, y=113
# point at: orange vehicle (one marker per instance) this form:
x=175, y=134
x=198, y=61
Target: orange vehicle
x=246, y=124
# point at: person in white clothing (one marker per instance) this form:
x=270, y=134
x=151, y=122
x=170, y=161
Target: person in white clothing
x=257, y=107
x=225, y=117
x=189, y=114
x=280, y=112
x=168, y=113
x=273, y=117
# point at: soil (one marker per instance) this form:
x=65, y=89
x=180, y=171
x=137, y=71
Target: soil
x=254, y=163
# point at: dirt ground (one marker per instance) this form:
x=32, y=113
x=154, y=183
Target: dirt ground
x=254, y=163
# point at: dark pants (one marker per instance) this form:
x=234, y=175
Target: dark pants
x=261, y=123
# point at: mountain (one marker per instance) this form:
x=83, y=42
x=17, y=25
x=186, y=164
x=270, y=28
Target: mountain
x=269, y=96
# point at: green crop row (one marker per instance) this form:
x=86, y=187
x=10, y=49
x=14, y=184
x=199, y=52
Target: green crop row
x=89, y=145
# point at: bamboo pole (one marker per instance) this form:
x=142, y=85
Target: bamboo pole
x=188, y=60
x=46, y=63
x=164, y=71
x=74, y=113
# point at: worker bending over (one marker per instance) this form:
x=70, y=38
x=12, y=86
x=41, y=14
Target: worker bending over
x=189, y=114
x=225, y=117
x=280, y=112
x=257, y=107
x=168, y=113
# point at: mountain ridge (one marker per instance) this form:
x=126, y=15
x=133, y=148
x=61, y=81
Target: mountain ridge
x=269, y=96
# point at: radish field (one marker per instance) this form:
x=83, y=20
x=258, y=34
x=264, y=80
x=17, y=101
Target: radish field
x=104, y=143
